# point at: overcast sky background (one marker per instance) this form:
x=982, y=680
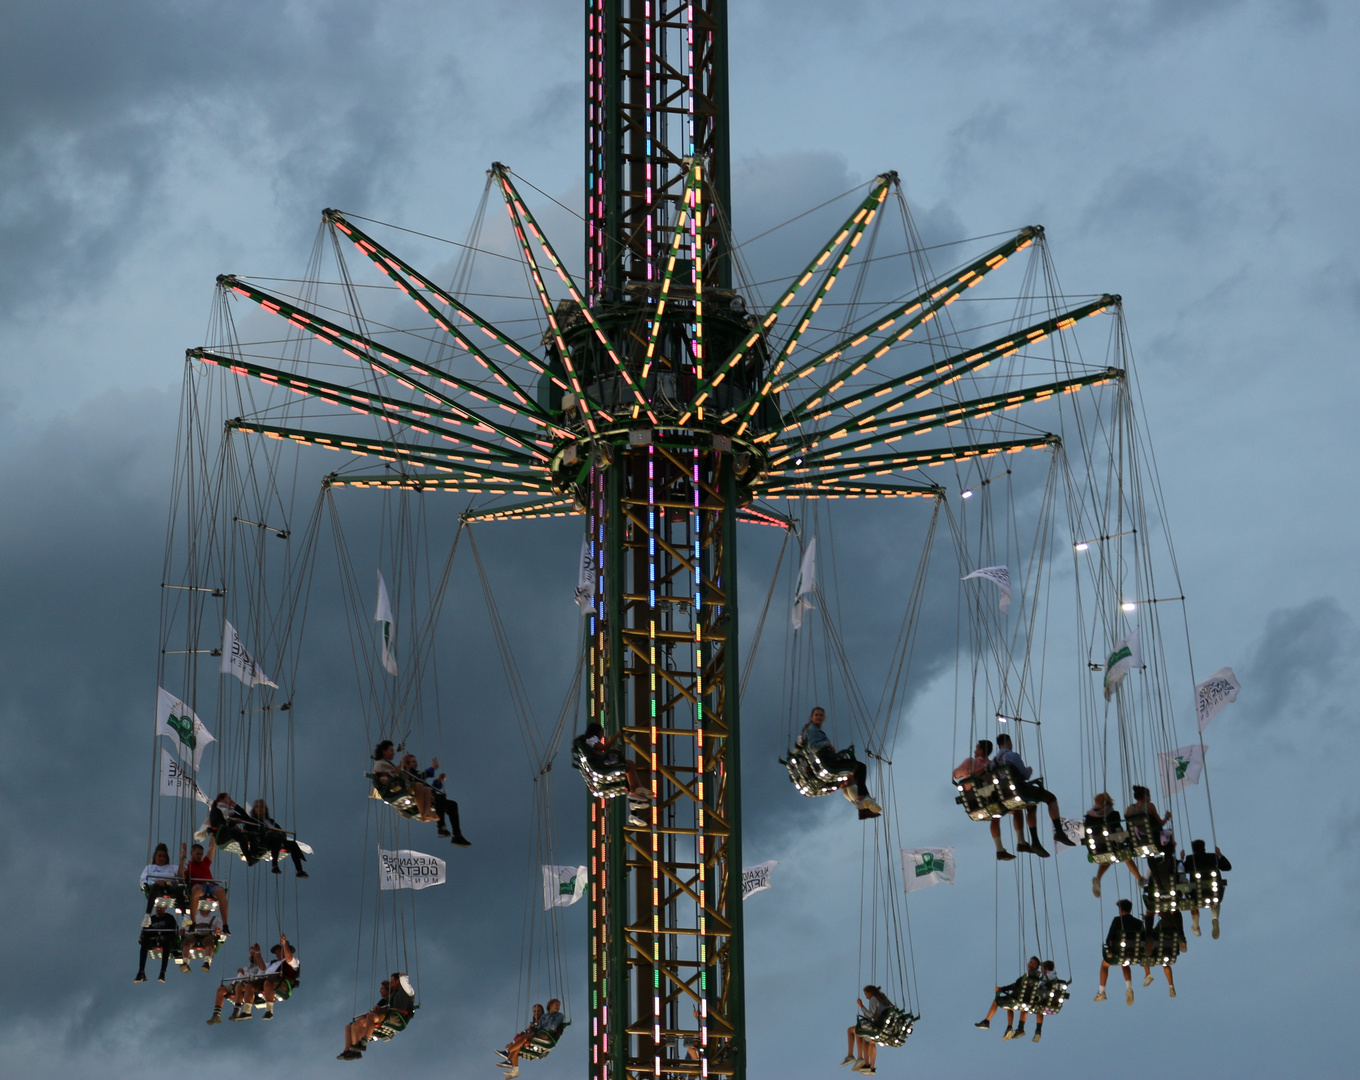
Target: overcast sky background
x=1198, y=159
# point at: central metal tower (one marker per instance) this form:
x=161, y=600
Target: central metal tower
x=666, y=964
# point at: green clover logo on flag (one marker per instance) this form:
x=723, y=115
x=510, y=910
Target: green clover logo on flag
x=183, y=726
x=567, y=887
x=929, y=864
x=1181, y=766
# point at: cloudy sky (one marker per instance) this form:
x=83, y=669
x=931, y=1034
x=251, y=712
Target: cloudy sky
x=1197, y=158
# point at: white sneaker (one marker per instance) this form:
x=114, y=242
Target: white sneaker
x=1147, y=979
x=1095, y=887
x=635, y=821
x=1101, y=996
x=1172, y=989
x=871, y=806
x=1128, y=996
x=848, y=1060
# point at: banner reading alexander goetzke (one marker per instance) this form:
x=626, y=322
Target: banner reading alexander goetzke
x=409, y=869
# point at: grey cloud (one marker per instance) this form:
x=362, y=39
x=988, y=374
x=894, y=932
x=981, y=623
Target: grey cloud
x=1178, y=200
x=1303, y=665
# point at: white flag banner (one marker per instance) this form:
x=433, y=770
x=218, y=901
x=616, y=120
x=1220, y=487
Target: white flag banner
x=1075, y=830
x=563, y=885
x=1181, y=768
x=1214, y=694
x=1127, y=655
x=756, y=879
x=924, y=867
x=176, y=720
x=404, y=869
x=1001, y=576
x=175, y=779
x=585, y=579
x=236, y=661
x=807, y=582
x=383, y=617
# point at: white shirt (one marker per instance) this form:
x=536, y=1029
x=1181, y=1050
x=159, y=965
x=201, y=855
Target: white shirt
x=276, y=966
x=156, y=872
x=207, y=924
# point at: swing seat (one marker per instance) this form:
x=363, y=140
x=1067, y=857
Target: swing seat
x=537, y=1048
x=1107, y=840
x=604, y=782
x=396, y=793
x=811, y=775
x=892, y=1028
x=1163, y=897
x=1127, y=951
x=1144, y=836
x=201, y=952
x=394, y=1022
x=1203, y=888
x=1044, y=997
x=1162, y=946
x=171, y=896
x=995, y=793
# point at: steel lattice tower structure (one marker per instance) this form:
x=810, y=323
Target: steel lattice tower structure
x=662, y=410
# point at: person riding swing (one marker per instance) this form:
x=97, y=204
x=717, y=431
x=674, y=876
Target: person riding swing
x=1033, y=792
x=842, y=763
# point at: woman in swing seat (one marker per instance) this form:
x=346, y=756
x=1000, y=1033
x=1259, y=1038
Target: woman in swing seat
x=547, y=1025
x=863, y=1052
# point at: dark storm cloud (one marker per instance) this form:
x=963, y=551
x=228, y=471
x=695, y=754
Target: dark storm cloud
x=111, y=106
x=1304, y=665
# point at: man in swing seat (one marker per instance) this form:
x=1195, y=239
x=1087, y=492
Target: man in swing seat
x=842, y=763
x=1033, y=792
x=979, y=765
x=1205, y=871
x=543, y=1032
x=1123, y=946
x=394, y=1010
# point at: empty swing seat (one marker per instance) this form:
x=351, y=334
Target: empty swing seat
x=811, y=775
x=892, y=1027
x=538, y=1047
x=605, y=781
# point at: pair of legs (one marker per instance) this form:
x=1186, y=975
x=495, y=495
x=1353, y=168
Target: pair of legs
x=359, y=1030
x=1194, y=921
x=141, y=961
x=864, y=1051
x=277, y=842
x=1170, y=982
x=1128, y=981
x=1001, y=852
x=240, y=991
x=444, y=807
x=213, y=891
x=1101, y=870
x=205, y=941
